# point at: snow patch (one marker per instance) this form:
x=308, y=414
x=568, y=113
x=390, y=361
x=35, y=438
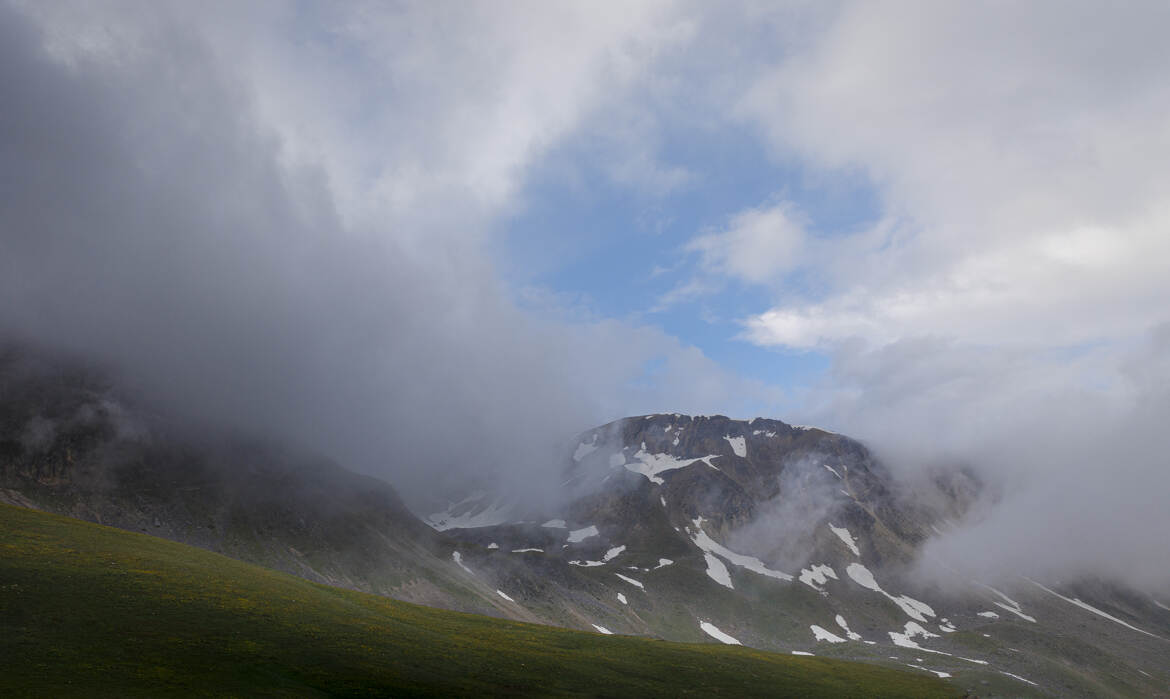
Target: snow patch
x=631, y=581
x=738, y=445
x=833, y=471
x=710, y=629
x=989, y=615
x=585, y=449
x=650, y=465
x=1090, y=608
x=905, y=639
x=458, y=558
x=940, y=673
x=501, y=594
x=850, y=634
x=493, y=546
x=816, y=576
x=913, y=608
x=579, y=535
x=717, y=571
x=822, y=635
x=844, y=535
x=466, y=514
x=663, y=562
x=554, y=524
x=801, y=652
x=622, y=598
x=1022, y=679
x=612, y=553
x=602, y=629
x=527, y=550
x=1011, y=606
x=709, y=546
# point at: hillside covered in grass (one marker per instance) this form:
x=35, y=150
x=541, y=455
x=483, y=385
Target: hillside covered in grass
x=87, y=610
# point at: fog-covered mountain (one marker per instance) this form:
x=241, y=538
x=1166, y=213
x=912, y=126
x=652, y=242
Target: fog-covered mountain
x=781, y=537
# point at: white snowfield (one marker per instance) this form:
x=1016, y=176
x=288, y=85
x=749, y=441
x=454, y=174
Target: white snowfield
x=1011, y=605
x=663, y=562
x=940, y=673
x=631, y=581
x=579, y=535
x=989, y=615
x=905, y=639
x=821, y=634
x=602, y=629
x=717, y=571
x=710, y=629
x=493, y=546
x=1089, y=608
x=709, y=546
x=501, y=594
x=801, y=652
x=738, y=445
x=650, y=465
x=527, y=550
x=817, y=575
x=913, y=608
x=757, y=433
x=622, y=598
x=554, y=524
x=912, y=629
x=609, y=556
x=844, y=535
x=1017, y=677
x=850, y=634
x=585, y=449
x=470, y=516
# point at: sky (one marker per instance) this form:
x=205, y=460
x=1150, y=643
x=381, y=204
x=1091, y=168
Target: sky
x=443, y=237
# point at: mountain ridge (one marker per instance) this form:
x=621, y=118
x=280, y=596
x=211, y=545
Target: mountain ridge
x=784, y=538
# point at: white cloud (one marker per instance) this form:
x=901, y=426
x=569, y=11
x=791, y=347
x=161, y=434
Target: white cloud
x=758, y=244
x=1021, y=153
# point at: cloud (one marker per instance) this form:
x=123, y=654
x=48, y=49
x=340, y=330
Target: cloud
x=1021, y=158
x=1071, y=447
x=1005, y=308
x=757, y=245
x=277, y=221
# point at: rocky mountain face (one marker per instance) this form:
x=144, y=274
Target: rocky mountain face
x=757, y=532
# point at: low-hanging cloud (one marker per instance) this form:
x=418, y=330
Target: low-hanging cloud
x=153, y=220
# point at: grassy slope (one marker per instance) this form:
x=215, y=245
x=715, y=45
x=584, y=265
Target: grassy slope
x=95, y=611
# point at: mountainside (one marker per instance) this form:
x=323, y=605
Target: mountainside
x=797, y=539
x=699, y=529
x=70, y=444
x=90, y=611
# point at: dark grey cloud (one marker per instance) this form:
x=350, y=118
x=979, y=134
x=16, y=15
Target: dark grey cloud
x=152, y=219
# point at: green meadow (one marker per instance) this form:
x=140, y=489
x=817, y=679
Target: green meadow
x=88, y=610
